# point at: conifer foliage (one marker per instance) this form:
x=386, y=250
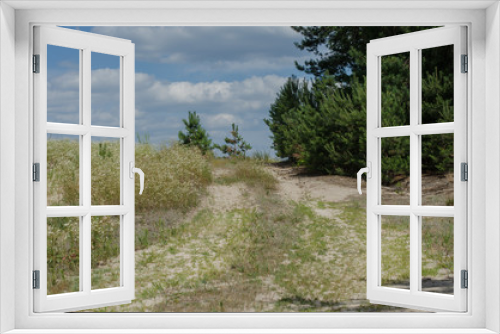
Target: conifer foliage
x=234, y=145
x=195, y=134
x=322, y=123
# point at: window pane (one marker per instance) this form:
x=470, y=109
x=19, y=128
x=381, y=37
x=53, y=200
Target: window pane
x=105, y=89
x=437, y=85
x=437, y=170
x=395, y=171
x=395, y=251
x=105, y=252
x=437, y=255
x=63, y=170
x=63, y=85
x=395, y=83
x=63, y=255
x=105, y=171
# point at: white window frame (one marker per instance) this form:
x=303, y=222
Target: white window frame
x=85, y=43
x=483, y=21
x=413, y=44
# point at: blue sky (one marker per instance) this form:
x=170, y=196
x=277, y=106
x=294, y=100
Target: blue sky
x=225, y=74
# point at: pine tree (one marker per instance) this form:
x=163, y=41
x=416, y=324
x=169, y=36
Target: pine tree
x=292, y=95
x=195, y=134
x=322, y=125
x=234, y=146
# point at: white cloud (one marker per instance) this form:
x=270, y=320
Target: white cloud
x=220, y=121
x=249, y=94
x=212, y=48
x=161, y=105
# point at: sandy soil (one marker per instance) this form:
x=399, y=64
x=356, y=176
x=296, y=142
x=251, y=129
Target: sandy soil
x=296, y=186
x=293, y=185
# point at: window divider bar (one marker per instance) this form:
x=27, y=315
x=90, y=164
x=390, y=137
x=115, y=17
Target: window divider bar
x=86, y=257
x=433, y=129
x=67, y=211
x=419, y=129
x=109, y=210
x=392, y=210
x=406, y=210
x=81, y=130
x=110, y=132
x=414, y=167
x=434, y=211
x=67, y=129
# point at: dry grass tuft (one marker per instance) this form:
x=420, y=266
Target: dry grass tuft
x=249, y=171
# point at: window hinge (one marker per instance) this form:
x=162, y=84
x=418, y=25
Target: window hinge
x=36, y=279
x=465, y=279
x=36, y=63
x=36, y=172
x=465, y=63
x=464, y=171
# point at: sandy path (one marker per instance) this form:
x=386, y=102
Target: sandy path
x=330, y=188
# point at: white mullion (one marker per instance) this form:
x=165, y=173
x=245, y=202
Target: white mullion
x=434, y=211
x=110, y=132
x=392, y=210
x=67, y=211
x=87, y=172
x=80, y=211
x=406, y=210
x=109, y=210
x=80, y=130
x=421, y=129
x=67, y=129
x=392, y=131
x=433, y=129
x=414, y=168
x=86, y=254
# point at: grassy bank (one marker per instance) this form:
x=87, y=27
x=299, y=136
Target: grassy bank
x=218, y=235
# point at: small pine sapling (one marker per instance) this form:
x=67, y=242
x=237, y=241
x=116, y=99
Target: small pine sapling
x=195, y=134
x=234, y=146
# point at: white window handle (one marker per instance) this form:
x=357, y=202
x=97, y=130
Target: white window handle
x=368, y=171
x=133, y=170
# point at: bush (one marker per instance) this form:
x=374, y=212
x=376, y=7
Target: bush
x=175, y=176
x=327, y=131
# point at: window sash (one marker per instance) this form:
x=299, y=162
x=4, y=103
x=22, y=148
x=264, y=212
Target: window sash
x=413, y=43
x=86, y=43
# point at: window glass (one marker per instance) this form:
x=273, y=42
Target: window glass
x=437, y=84
x=105, y=171
x=437, y=254
x=105, y=89
x=105, y=252
x=395, y=244
x=395, y=173
x=395, y=89
x=63, y=255
x=63, y=84
x=63, y=170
